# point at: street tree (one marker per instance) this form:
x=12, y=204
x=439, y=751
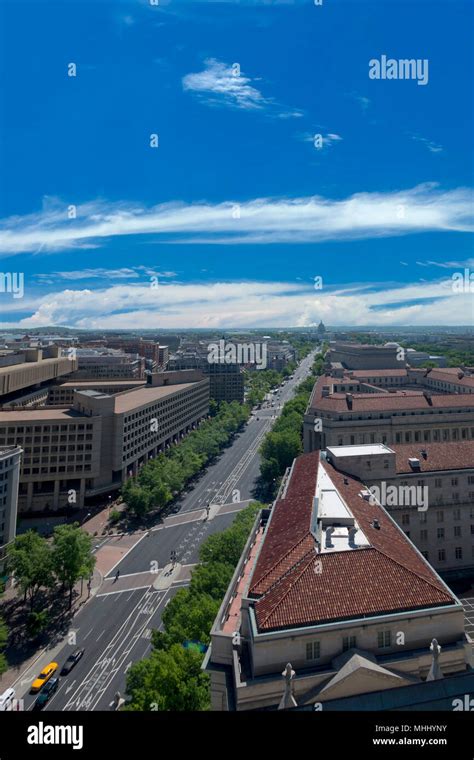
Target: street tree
x=169, y=680
x=72, y=556
x=29, y=560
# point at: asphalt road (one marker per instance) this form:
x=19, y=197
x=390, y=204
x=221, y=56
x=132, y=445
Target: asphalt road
x=115, y=626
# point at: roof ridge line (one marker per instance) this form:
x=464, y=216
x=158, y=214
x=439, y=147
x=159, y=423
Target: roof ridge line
x=293, y=547
x=400, y=564
x=288, y=589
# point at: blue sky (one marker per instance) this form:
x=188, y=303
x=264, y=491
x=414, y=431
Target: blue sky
x=236, y=211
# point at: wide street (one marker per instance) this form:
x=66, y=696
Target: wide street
x=115, y=625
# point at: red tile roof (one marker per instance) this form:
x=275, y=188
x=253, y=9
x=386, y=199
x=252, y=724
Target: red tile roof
x=451, y=375
x=399, y=400
x=378, y=372
x=456, y=455
x=387, y=576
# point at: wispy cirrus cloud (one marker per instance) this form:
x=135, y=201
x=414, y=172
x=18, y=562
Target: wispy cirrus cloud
x=429, y=144
x=424, y=208
x=124, y=273
x=225, y=84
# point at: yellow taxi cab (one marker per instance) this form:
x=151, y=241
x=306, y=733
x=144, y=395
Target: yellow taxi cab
x=44, y=676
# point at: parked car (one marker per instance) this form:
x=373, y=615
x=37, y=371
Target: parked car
x=44, y=676
x=46, y=693
x=6, y=699
x=71, y=661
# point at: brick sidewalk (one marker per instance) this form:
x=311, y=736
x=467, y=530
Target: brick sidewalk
x=100, y=521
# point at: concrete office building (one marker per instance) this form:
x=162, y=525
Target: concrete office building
x=226, y=381
x=362, y=356
x=62, y=394
x=10, y=457
x=32, y=369
x=429, y=492
x=390, y=406
x=100, y=441
x=108, y=363
x=149, y=349
x=329, y=584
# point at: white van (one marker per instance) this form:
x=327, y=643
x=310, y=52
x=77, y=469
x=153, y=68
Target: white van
x=6, y=699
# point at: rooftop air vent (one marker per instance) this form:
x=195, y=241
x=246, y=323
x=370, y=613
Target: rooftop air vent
x=329, y=532
x=427, y=396
x=414, y=463
x=376, y=525
x=352, y=535
x=424, y=453
x=349, y=399
x=365, y=494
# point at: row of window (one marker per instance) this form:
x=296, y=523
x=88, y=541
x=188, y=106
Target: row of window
x=409, y=436
x=313, y=648
x=442, y=556
x=440, y=534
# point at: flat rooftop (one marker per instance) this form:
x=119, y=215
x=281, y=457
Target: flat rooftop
x=24, y=416
x=11, y=368
x=368, y=449
x=127, y=402
x=101, y=383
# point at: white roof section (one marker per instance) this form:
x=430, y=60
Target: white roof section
x=334, y=522
x=366, y=449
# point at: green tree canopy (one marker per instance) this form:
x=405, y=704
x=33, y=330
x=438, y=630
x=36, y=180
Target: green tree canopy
x=72, y=556
x=169, y=680
x=29, y=560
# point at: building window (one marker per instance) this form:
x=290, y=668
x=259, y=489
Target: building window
x=313, y=650
x=440, y=533
x=441, y=555
x=423, y=535
x=457, y=514
x=384, y=639
x=458, y=552
x=406, y=519
x=438, y=482
x=349, y=642
x=457, y=531
x=440, y=516
x=423, y=517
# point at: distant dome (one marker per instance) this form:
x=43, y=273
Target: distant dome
x=392, y=344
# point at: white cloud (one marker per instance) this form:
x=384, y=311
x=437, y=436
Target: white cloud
x=262, y=220
x=429, y=144
x=247, y=304
x=124, y=273
x=225, y=84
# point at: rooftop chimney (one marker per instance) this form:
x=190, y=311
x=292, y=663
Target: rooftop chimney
x=349, y=399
